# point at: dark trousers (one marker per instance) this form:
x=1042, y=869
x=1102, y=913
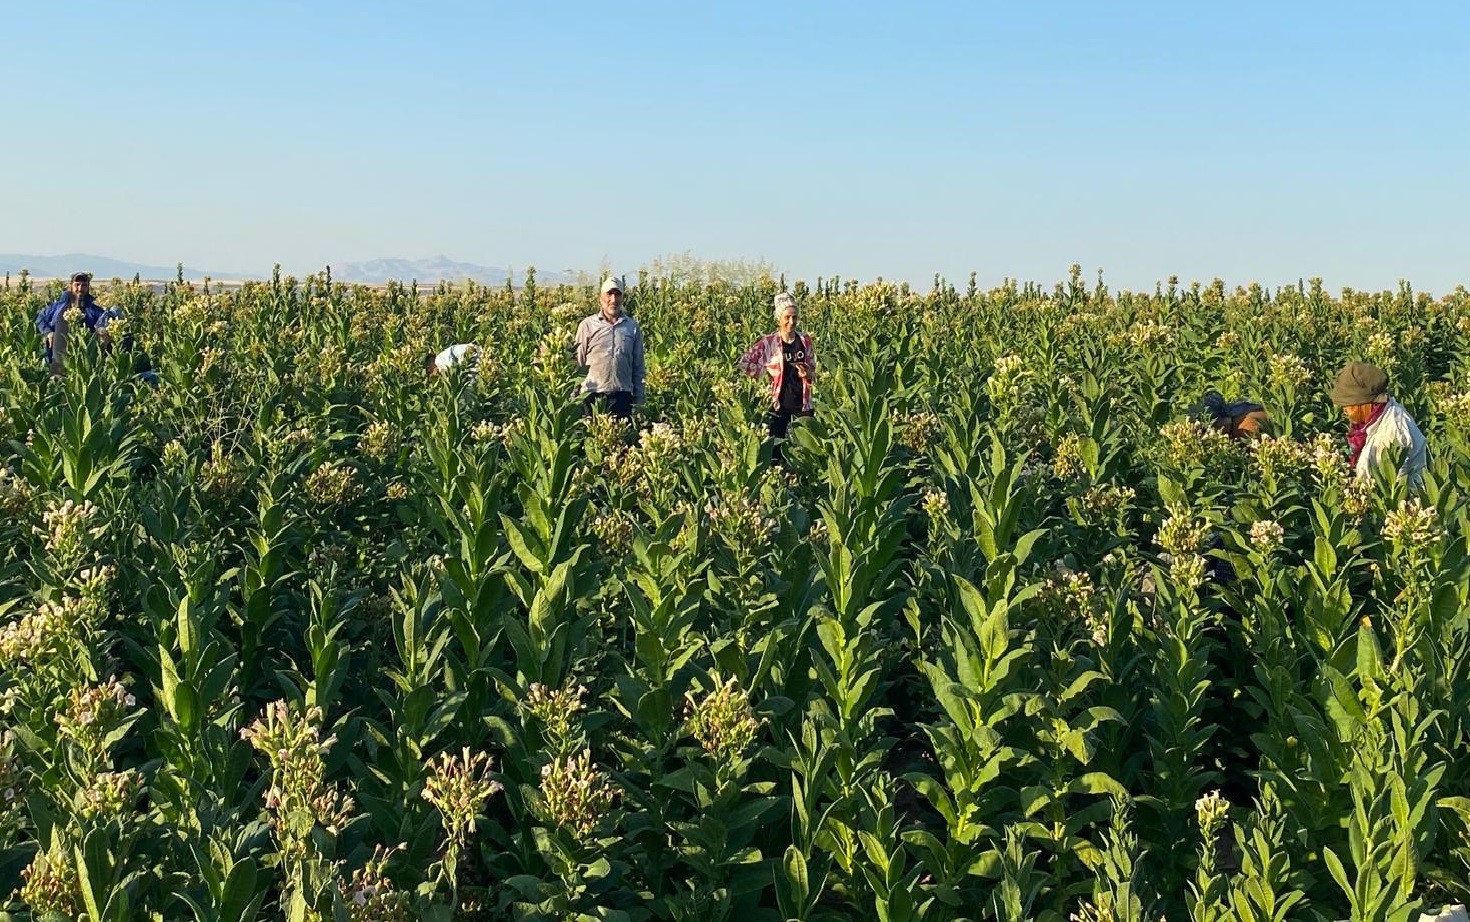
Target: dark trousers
x=617, y=403
x=779, y=424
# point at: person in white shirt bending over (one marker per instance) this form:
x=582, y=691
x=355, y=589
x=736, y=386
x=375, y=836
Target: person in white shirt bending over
x=466, y=354
x=1379, y=423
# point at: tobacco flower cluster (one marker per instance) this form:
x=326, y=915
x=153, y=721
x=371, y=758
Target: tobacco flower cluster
x=614, y=532
x=15, y=494
x=552, y=349
x=36, y=636
x=663, y=376
x=917, y=431
x=726, y=392
x=575, y=795
x=326, y=363
x=333, y=484
x=69, y=530
x=1006, y=380
x=56, y=627
x=722, y=722
x=1413, y=527
x=1267, y=536
x=1287, y=370
x=654, y=460
x=1066, y=460
x=110, y=795
x=1107, y=502
x=92, y=713
x=458, y=787
x=1211, y=811
x=607, y=433
x=51, y=886
x=174, y=454
x=1190, y=444
x=404, y=361
x=1182, y=533
x=209, y=357
x=1183, y=537
x=1279, y=458
x=378, y=441
x=1455, y=408
x=660, y=443
x=370, y=895
x=1149, y=333
x=487, y=431
x=1330, y=471
x=117, y=327
x=1069, y=594
x=195, y=310
x=557, y=710
x=292, y=744
x=1381, y=351
x=222, y=477
x=935, y=504
x=92, y=585
x=742, y=523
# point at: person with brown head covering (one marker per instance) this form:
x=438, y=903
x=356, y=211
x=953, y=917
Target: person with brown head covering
x=1239, y=419
x=1378, y=422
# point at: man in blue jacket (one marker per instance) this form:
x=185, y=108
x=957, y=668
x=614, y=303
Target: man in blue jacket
x=53, y=323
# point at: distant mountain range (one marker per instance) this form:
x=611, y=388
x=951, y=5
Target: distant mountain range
x=438, y=269
x=371, y=272
x=101, y=267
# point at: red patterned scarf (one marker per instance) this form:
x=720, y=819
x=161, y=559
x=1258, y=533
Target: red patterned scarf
x=1358, y=433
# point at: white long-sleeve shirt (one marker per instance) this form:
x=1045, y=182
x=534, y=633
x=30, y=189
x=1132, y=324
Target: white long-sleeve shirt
x=454, y=355
x=1394, y=427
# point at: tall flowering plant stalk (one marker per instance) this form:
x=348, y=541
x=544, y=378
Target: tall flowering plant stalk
x=865, y=515
x=458, y=786
x=306, y=810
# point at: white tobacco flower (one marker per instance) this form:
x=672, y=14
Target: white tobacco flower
x=1267, y=535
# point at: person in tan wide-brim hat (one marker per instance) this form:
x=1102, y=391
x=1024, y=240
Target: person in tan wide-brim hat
x=1379, y=423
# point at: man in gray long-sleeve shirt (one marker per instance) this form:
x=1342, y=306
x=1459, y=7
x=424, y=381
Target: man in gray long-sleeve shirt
x=610, y=345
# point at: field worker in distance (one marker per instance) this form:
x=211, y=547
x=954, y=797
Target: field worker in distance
x=786, y=356
x=609, y=344
x=1239, y=419
x=54, y=324
x=466, y=354
x=1379, y=423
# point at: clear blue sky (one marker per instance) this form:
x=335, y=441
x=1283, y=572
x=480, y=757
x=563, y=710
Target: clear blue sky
x=1254, y=141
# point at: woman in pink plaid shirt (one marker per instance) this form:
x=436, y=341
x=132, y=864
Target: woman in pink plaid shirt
x=787, y=357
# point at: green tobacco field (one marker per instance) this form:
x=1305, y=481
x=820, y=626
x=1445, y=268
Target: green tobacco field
x=301, y=633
